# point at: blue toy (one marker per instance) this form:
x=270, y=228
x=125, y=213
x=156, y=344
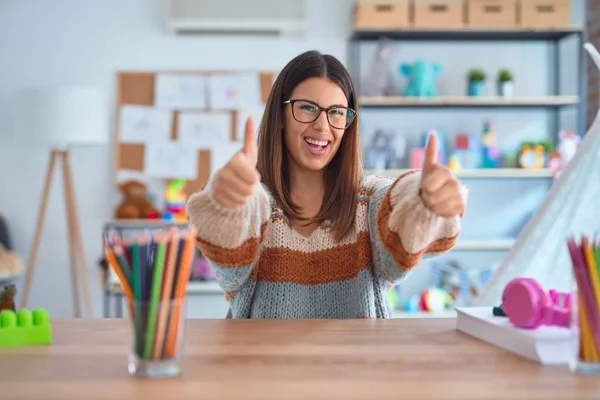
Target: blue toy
x=421, y=78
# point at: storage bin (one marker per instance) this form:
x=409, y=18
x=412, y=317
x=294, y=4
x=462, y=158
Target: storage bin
x=491, y=14
x=544, y=13
x=438, y=14
x=382, y=15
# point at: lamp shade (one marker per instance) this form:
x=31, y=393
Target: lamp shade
x=60, y=117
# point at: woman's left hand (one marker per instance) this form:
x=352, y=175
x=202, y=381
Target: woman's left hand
x=440, y=190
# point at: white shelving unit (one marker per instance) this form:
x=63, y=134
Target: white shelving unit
x=472, y=249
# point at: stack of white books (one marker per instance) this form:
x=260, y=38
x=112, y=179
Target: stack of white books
x=547, y=345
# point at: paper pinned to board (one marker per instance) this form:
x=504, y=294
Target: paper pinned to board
x=176, y=91
x=144, y=124
x=204, y=130
x=234, y=90
x=255, y=112
x=170, y=159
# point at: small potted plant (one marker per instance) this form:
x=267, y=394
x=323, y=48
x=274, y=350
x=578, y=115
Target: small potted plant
x=505, y=83
x=476, y=86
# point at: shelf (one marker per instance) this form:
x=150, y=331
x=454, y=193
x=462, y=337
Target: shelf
x=424, y=314
x=491, y=244
x=466, y=101
x=469, y=34
x=494, y=173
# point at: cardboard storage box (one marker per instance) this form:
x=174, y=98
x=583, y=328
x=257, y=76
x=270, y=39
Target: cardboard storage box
x=491, y=13
x=382, y=15
x=544, y=13
x=438, y=14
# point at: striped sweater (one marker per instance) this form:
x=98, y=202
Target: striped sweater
x=268, y=270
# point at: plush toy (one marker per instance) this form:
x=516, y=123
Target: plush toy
x=380, y=154
x=421, y=78
x=379, y=81
x=7, y=298
x=135, y=204
x=10, y=263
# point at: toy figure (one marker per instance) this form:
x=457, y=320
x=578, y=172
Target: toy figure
x=379, y=81
x=567, y=146
x=7, y=298
x=175, y=199
x=421, y=78
x=490, y=156
x=377, y=154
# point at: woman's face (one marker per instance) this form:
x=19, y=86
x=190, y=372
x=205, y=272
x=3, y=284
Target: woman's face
x=312, y=145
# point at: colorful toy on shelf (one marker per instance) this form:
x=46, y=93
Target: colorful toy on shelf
x=434, y=300
x=454, y=163
x=421, y=78
x=25, y=328
x=528, y=306
x=7, y=298
x=490, y=156
x=467, y=151
x=566, y=149
x=175, y=199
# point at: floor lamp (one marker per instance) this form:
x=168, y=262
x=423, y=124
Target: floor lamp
x=61, y=119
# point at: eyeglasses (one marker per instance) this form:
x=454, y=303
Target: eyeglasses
x=307, y=111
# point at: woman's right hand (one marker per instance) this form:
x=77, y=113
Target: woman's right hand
x=234, y=183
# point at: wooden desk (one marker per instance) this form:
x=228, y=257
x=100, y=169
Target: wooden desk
x=286, y=360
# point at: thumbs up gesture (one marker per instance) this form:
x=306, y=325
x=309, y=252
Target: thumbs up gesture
x=440, y=190
x=234, y=183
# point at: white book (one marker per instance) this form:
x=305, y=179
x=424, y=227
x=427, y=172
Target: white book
x=547, y=345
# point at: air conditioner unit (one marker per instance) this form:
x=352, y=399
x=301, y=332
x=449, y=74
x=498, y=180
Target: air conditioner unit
x=271, y=17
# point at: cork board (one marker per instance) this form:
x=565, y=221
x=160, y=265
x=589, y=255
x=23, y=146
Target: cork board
x=137, y=88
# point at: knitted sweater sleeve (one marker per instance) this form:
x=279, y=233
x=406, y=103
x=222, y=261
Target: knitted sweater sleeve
x=229, y=238
x=402, y=229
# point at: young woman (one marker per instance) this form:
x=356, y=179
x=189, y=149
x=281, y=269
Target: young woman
x=293, y=229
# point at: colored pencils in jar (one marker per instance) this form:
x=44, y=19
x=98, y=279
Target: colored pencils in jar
x=154, y=271
x=585, y=259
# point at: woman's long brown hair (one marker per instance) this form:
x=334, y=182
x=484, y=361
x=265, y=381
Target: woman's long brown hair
x=342, y=175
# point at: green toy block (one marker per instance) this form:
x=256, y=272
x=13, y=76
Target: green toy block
x=25, y=328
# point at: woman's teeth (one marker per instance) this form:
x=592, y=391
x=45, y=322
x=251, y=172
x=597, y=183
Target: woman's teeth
x=317, y=143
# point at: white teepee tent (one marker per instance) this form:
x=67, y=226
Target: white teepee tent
x=570, y=209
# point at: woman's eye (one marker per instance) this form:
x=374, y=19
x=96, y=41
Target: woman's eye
x=337, y=111
x=309, y=108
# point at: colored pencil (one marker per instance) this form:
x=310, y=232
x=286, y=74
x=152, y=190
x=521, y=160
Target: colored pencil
x=165, y=297
x=178, y=296
x=585, y=260
x=157, y=275
x=153, y=271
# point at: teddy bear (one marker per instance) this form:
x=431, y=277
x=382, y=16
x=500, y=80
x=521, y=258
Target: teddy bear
x=135, y=203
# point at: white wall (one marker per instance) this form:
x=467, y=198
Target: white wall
x=52, y=43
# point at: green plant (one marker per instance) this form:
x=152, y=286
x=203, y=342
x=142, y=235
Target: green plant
x=476, y=75
x=505, y=76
